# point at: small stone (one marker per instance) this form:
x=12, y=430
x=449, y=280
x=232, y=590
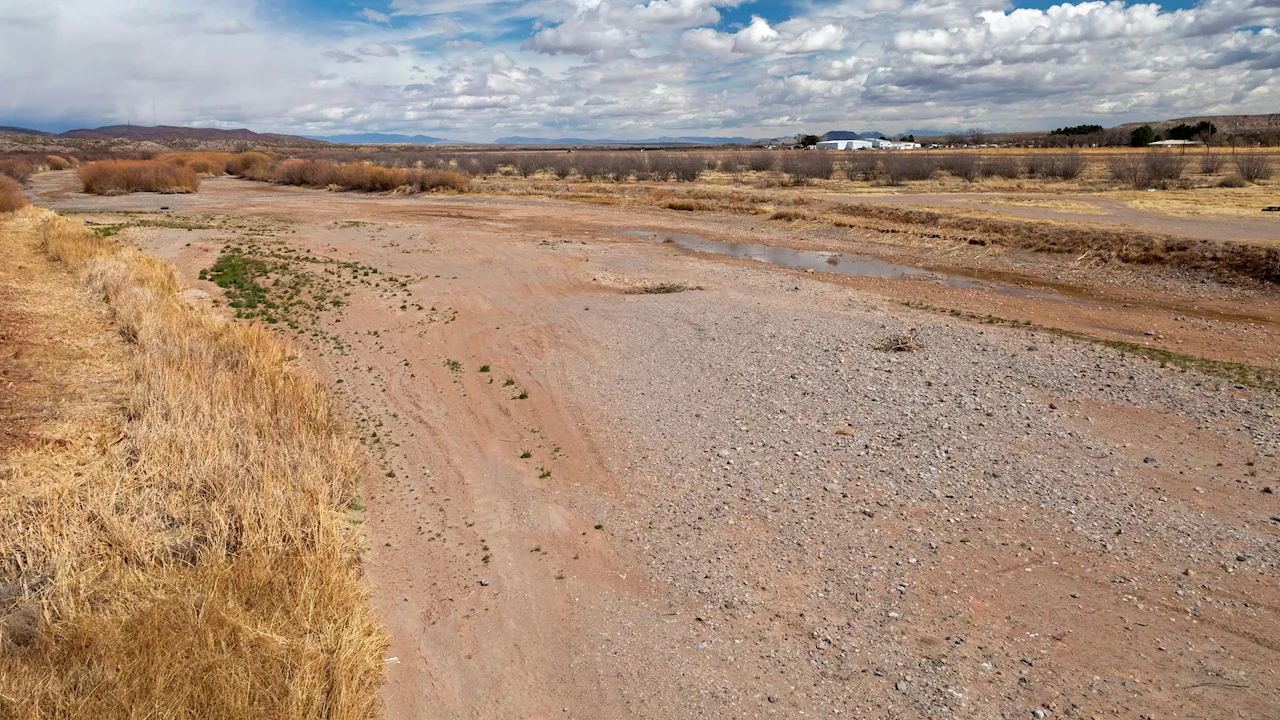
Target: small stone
x=901, y=686
x=1028, y=662
x=1149, y=460
x=773, y=698
x=484, y=583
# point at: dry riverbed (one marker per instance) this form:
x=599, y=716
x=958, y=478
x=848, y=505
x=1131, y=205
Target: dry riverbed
x=610, y=477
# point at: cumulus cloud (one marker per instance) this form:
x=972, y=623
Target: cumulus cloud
x=476, y=69
x=378, y=51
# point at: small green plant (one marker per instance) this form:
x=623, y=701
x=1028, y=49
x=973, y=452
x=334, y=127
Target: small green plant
x=486, y=559
x=524, y=395
x=526, y=454
x=544, y=474
x=599, y=526
x=453, y=365
x=509, y=383
x=536, y=549
x=484, y=368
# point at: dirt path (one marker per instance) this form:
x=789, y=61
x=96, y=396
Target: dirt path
x=734, y=505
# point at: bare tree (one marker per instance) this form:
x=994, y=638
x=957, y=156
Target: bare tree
x=976, y=136
x=953, y=139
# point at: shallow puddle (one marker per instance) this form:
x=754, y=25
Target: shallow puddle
x=845, y=264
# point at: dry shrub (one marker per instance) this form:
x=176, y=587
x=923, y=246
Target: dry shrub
x=761, y=161
x=903, y=342
x=19, y=168
x=899, y=167
x=1128, y=168
x=684, y=167
x=790, y=215
x=251, y=165
x=184, y=552
x=366, y=177
x=960, y=165
x=804, y=166
x=687, y=205
x=1211, y=162
x=1002, y=166
x=1059, y=166
x=205, y=164
x=57, y=162
x=862, y=165
x=1233, y=181
x=11, y=197
x=1253, y=166
x=1164, y=165
x=1261, y=262
x=119, y=177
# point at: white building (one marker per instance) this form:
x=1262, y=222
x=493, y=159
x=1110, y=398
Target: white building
x=845, y=145
x=1174, y=143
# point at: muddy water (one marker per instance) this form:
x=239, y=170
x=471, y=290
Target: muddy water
x=845, y=264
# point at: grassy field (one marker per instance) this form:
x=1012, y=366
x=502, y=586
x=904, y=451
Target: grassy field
x=174, y=495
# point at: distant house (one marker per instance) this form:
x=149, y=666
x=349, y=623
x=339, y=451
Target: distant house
x=1174, y=143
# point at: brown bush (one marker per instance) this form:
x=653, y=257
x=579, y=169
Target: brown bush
x=11, y=197
x=252, y=165
x=19, y=168
x=1211, y=162
x=205, y=164
x=119, y=177
x=57, y=162
x=804, y=166
x=366, y=176
x=901, y=166
x=1002, y=166
x=1060, y=166
x=1232, y=181
x=1253, y=166
x=961, y=165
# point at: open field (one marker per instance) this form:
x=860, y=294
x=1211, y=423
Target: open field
x=673, y=449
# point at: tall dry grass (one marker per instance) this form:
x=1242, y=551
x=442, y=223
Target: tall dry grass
x=189, y=555
x=367, y=177
x=11, y=197
x=120, y=177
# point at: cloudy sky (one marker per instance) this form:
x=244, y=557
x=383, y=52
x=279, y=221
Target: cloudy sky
x=477, y=70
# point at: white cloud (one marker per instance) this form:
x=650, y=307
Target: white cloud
x=641, y=67
x=384, y=51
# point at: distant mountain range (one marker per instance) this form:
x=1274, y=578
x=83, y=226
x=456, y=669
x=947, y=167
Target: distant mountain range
x=381, y=139
x=684, y=140
x=851, y=135
x=159, y=132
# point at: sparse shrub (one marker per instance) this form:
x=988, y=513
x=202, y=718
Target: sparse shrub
x=790, y=215
x=1232, y=181
x=760, y=161
x=862, y=165
x=804, y=166
x=1060, y=166
x=1253, y=166
x=960, y=165
x=11, y=197
x=1002, y=166
x=687, y=205
x=57, y=162
x=119, y=177
x=1211, y=162
x=686, y=167
x=899, y=167
x=1164, y=165
x=903, y=342
x=1128, y=168
x=366, y=177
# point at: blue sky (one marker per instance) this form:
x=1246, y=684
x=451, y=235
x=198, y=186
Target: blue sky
x=480, y=69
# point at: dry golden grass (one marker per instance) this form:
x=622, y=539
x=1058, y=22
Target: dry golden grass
x=11, y=197
x=175, y=539
x=1246, y=201
x=119, y=177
